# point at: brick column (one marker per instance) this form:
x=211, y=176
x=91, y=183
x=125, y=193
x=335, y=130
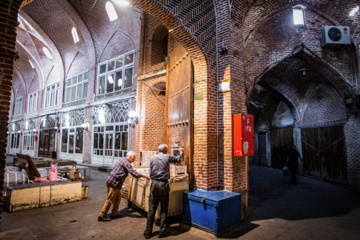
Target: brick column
x=233, y=171
x=352, y=140
x=8, y=22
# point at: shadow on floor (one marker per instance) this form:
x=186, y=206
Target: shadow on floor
x=271, y=195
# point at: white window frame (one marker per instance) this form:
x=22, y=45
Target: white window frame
x=19, y=102
x=73, y=83
x=29, y=142
x=111, y=12
x=75, y=35
x=32, y=104
x=109, y=156
x=51, y=95
x=107, y=72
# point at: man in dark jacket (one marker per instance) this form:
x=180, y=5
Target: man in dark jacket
x=114, y=183
x=159, y=189
x=292, y=163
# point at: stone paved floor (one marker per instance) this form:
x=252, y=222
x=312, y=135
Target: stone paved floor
x=277, y=210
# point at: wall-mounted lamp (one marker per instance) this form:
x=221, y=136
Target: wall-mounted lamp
x=133, y=118
x=304, y=71
x=57, y=129
x=85, y=125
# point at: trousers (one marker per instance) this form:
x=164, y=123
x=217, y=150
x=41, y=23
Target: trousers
x=159, y=193
x=113, y=198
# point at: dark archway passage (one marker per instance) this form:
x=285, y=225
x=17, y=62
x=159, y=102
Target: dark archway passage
x=290, y=102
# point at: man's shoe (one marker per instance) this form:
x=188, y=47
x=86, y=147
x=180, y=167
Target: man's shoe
x=116, y=216
x=104, y=219
x=164, y=235
x=147, y=236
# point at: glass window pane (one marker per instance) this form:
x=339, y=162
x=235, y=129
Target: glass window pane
x=102, y=68
x=110, y=83
x=101, y=85
x=86, y=75
x=68, y=82
x=64, y=140
x=24, y=141
x=74, y=80
x=129, y=58
x=118, y=81
x=79, y=140
x=111, y=65
x=128, y=78
x=71, y=144
x=124, y=140
x=67, y=95
x=79, y=92
x=73, y=93
x=96, y=140
x=85, y=90
x=101, y=140
x=117, y=141
x=52, y=141
x=109, y=128
x=41, y=141
x=56, y=95
x=80, y=78
x=119, y=62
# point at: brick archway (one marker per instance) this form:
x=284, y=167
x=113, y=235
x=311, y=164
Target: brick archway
x=204, y=78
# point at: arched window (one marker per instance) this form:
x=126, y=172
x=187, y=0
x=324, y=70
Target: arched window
x=354, y=11
x=47, y=53
x=110, y=10
x=299, y=15
x=75, y=35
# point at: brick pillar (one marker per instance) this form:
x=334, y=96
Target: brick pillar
x=8, y=22
x=352, y=140
x=233, y=171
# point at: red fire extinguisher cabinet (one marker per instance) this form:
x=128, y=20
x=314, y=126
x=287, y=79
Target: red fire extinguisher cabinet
x=243, y=135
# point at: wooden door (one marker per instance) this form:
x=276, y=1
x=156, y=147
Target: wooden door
x=179, y=109
x=324, y=153
x=47, y=141
x=281, y=140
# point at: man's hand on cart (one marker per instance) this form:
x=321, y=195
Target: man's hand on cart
x=146, y=176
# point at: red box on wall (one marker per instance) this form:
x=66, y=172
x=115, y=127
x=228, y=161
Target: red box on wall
x=243, y=135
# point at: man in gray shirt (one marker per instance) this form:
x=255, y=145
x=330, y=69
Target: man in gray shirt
x=159, y=189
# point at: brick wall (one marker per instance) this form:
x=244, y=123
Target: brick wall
x=8, y=17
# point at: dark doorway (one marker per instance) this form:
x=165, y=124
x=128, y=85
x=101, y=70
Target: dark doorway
x=47, y=141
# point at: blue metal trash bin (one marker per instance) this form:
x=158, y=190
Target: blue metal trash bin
x=213, y=211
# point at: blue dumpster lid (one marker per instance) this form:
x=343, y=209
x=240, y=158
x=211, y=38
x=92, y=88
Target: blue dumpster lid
x=213, y=195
